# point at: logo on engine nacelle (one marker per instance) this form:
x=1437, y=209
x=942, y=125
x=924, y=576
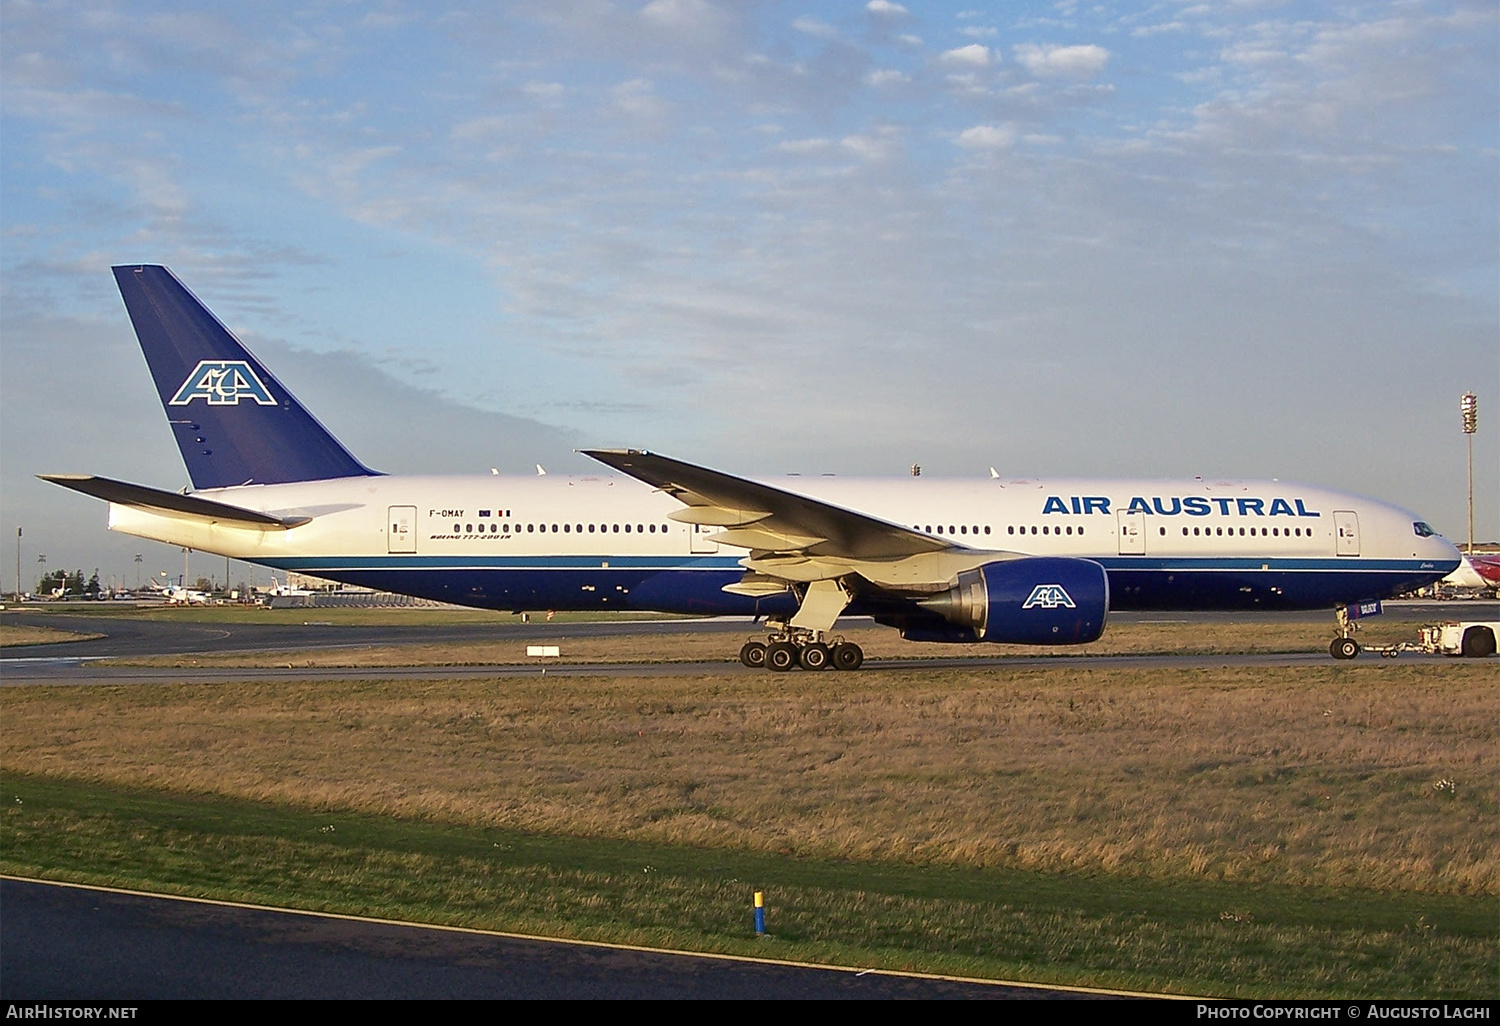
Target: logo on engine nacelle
x=1049, y=596
x=222, y=383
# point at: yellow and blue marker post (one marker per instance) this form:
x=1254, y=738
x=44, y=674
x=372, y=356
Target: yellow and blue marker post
x=760, y=913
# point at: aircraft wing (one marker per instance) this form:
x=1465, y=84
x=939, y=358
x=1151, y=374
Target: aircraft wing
x=175, y=503
x=766, y=519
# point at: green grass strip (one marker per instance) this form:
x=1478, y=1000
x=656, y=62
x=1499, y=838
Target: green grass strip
x=1103, y=931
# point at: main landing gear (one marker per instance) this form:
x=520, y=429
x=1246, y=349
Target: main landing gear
x=789, y=647
x=1344, y=646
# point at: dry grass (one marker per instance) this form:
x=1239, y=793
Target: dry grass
x=15, y=634
x=878, y=643
x=1371, y=775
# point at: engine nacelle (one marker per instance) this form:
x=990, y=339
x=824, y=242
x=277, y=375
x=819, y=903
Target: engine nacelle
x=1034, y=600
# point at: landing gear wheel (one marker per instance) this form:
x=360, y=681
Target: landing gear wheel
x=814, y=656
x=753, y=655
x=847, y=656
x=1478, y=642
x=1343, y=648
x=781, y=656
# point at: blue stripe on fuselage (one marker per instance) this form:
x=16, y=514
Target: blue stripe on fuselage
x=694, y=584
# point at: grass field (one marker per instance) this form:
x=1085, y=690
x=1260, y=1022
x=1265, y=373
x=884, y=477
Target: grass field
x=18, y=634
x=878, y=643
x=1308, y=830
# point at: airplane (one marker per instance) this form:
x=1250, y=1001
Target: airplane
x=178, y=595
x=1477, y=572
x=279, y=589
x=992, y=560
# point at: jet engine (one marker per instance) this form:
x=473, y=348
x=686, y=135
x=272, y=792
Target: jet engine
x=1034, y=600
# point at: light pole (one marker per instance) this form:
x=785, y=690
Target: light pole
x=18, y=565
x=1469, y=407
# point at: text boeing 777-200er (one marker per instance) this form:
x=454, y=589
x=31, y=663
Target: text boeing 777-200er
x=1019, y=561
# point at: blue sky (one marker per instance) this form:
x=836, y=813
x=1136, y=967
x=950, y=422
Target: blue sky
x=1159, y=239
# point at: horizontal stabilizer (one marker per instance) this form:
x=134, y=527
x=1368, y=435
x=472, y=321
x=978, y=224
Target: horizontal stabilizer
x=142, y=497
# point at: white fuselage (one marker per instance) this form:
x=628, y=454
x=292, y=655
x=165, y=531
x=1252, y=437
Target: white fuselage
x=596, y=541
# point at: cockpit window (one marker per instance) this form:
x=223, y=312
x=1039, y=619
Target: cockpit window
x=1422, y=530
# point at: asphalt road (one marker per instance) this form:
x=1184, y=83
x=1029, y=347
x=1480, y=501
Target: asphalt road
x=130, y=638
x=62, y=942
x=71, y=662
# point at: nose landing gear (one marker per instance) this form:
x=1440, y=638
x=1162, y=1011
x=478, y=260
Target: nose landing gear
x=1344, y=646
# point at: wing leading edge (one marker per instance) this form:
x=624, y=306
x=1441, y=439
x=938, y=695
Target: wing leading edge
x=766, y=519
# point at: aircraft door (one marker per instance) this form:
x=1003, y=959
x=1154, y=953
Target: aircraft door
x=702, y=538
x=401, y=529
x=1132, y=534
x=1346, y=530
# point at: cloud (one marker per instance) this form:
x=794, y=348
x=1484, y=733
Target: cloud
x=885, y=8
x=975, y=55
x=987, y=137
x=638, y=99
x=1070, y=61
x=814, y=27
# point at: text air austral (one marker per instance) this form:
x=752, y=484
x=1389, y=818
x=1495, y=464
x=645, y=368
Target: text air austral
x=223, y=383
x=1189, y=505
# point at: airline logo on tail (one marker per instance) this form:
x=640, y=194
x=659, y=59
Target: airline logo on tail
x=1048, y=596
x=222, y=383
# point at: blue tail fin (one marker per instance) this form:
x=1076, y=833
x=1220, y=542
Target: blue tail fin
x=234, y=422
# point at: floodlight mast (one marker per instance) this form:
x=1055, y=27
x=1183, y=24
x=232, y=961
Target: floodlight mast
x=1468, y=405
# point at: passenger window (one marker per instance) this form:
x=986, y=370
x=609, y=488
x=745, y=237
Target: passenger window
x=468, y=529
x=627, y=528
x=456, y=528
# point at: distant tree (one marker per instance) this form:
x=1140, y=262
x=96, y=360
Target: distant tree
x=75, y=583
x=203, y=584
x=92, y=588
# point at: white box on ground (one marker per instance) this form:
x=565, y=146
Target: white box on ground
x=543, y=650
